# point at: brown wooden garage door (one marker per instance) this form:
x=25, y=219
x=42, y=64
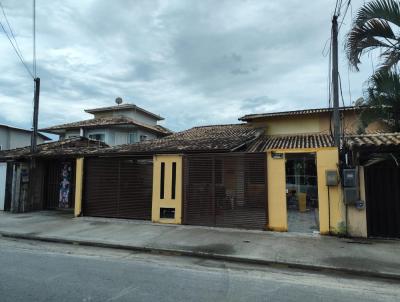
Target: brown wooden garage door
x=118, y=187
x=226, y=190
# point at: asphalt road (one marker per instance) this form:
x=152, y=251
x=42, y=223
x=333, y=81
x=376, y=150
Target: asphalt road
x=35, y=271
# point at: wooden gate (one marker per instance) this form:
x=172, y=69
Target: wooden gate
x=382, y=187
x=225, y=190
x=118, y=187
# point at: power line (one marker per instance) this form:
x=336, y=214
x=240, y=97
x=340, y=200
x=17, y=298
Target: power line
x=15, y=46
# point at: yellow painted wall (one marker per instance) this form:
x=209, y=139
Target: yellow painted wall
x=167, y=202
x=357, y=218
x=331, y=207
x=327, y=159
x=277, y=212
x=311, y=123
x=78, y=187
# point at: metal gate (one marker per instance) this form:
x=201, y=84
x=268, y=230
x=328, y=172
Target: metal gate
x=225, y=190
x=382, y=186
x=60, y=184
x=118, y=187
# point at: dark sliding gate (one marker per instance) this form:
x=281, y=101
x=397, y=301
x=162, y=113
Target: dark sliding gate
x=382, y=186
x=225, y=190
x=118, y=187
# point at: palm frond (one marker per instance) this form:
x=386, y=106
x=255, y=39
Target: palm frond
x=388, y=10
x=372, y=34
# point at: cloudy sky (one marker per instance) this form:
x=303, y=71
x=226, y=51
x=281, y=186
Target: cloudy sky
x=193, y=62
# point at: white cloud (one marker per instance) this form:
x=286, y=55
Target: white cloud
x=193, y=62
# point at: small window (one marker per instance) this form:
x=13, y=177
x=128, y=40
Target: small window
x=167, y=213
x=132, y=138
x=97, y=137
x=162, y=180
x=143, y=138
x=173, y=189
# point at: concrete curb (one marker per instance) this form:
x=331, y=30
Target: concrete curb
x=205, y=255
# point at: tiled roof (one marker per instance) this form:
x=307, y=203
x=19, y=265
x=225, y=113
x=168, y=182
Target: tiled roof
x=124, y=107
x=67, y=147
x=250, y=117
x=108, y=121
x=299, y=141
x=216, y=138
x=373, y=140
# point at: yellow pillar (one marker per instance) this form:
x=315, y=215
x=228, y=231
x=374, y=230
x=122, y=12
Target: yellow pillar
x=331, y=207
x=277, y=212
x=78, y=186
x=167, y=201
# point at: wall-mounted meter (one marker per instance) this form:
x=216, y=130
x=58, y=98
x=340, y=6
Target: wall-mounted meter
x=349, y=178
x=332, y=178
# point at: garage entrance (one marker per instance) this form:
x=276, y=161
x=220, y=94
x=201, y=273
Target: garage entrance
x=118, y=187
x=225, y=190
x=383, y=199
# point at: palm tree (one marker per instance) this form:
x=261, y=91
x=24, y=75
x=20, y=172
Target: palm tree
x=376, y=26
x=383, y=100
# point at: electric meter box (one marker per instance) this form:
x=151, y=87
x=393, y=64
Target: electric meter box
x=349, y=178
x=332, y=178
x=350, y=195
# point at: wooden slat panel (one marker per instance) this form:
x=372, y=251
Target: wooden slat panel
x=226, y=190
x=118, y=187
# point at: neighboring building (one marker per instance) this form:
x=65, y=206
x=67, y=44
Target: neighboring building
x=262, y=174
x=115, y=125
x=13, y=137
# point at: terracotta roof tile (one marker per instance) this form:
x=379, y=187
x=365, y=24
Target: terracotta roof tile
x=68, y=147
x=373, y=140
x=216, y=138
x=108, y=121
x=299, y=141
x=250, y=117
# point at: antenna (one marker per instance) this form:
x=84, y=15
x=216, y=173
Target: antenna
x=118, y=101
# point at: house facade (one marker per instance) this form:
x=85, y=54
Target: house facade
x=13, y=137
x=115, y=125
x=252, y=175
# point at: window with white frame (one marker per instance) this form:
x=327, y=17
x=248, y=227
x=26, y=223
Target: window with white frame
x=132, y=138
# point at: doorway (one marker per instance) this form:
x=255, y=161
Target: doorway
x=302, y=192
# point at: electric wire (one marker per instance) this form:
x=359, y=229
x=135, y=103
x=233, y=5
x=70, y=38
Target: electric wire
x=14, y=44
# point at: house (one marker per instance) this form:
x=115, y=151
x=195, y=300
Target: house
x=13, y=137
x=115, y=125
x=274, y=171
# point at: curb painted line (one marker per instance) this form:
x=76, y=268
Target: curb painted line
x=204, y=255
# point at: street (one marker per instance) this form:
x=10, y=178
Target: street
x=37, y=271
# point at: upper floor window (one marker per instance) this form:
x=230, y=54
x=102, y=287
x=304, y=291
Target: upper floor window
x=97, y=137
x=143, y=138
x=132, y=138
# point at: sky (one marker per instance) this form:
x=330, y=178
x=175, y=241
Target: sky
x=192, y=62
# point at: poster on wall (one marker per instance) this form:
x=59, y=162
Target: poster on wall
x=65, y=186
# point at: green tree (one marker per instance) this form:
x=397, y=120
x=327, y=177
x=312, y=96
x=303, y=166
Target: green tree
x=383, y=100
x=376, y=26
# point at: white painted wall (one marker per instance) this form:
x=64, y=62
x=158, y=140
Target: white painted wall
x=3, y=174
x=141, y=117
x=14, y=138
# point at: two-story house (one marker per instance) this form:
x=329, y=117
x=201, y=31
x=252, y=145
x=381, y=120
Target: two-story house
x=115, y=125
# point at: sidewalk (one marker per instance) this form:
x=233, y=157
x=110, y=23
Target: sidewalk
x=379, y=258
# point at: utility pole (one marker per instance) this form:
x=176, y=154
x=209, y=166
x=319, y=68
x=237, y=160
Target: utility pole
x=335, y=82
x=35, y=115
